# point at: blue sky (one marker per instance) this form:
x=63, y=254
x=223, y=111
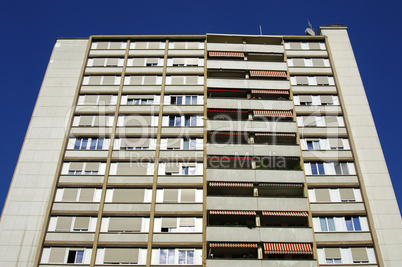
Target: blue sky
x=30, y=29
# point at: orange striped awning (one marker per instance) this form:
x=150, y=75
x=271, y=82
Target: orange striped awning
x=286, y=213
x=274, y=92
x=273, y=113
x=277, y=184
x=233, y=158
x=228, y=110
x=233, y=245
x=227, y=90
x=220, y=184
x=276, y=134
x=288, y=248
x=228, y=133
x=267, y=73
x=225, y=54
x=232, y=212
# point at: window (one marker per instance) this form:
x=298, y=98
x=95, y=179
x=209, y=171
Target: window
x=353, y=224
x=327, y=224
x=148, y=101
x=317, y=168
x=341, y=168
x=174, y=120
x=186, y=170
x=75, y=256
x=186, y=256
x=166, y=256
x=183, y=100
x=189, y=144
x=190, y=120
x=313, y=145
x=94, y=143
x=333, y=260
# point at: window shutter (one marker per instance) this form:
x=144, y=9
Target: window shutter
x=347, y=194
x=322, y=195
x=192, y=80
x=57, y=255
x=105, y=99
x=169, y=222
x=86, y=195
x=85, y=120
x=112, y=61
x=153, y=60
x=295, y=45
x=298, y=62
x=94, y=80
x=173, y=142
x=81, y=223
x=335, y=143
x=135, y=80
x=333, y=253
x=117, y=224
x=92, y=166
x=177, y=79
x=90, y=99
x=76, y=166
x=69, y=195
x=193, y=61
x=115, y=45
x=179, y=45
x=135, y=142
x=138, y=62
x=63, y=223
x=137, y=120
x=154, y=45
x=170, y=195
x=102, y=45
x=331, y=121
x=359, y=254
x=318, y=62
x=141, y=45
x=322, y=80
x=314, y=46
x=131, y=168
x=128, y=195
x=187, y=221
x=178, y=60
x=100, y=120
x=187, y=195
x=309, y=121
x=172, y=167
x=98, y=62
x=150, y=80
x=192, y=45
x=108, y=80
x=306, y=98
x=325, y=99
x=121, y=255
x=302, y=80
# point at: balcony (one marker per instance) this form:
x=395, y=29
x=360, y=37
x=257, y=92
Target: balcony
x=252, y=126
x=253, y=150
x=253, y=162
x=361, y=237
x=262, y=176
x=240, y=47
x=75, y=237
x=248, y=84
x=254, y=104
x=245, y=65
x=346, y=207
x=123, y=238
x=260, y=263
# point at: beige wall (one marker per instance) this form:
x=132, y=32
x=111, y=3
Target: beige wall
x=25, y=209
x=374, y=172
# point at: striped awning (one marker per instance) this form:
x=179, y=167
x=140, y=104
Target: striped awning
x=267, y=73
x=273, y=113
x=232, y=212
x=233, y=158
x=286, y=213
x=228, y=133
x=272, y=92
x=276, y=184
x=228, y=111
x=225, y=54
x=228, y=90
x=220, y=184
x=276, y=134
x=233, y=245
x=288, y=248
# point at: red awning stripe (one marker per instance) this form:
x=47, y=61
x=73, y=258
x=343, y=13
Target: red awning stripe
x=233, y=245
x=282, y=92
x=287, y=248
x=273, y=113
x=227, y=111
x=229, y=133
x=219, y=184
x=276, y=134
x=228, y=90
x=225, y=54
x=239, y=158
x=232, y=212
x=276, y=184
x=267, y=73
x=286, y=213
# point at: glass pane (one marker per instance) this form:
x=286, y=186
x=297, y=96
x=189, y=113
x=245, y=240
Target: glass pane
x=314, y=169
x=344, y=167
x=316, y=144
x=187, y=121
x=79, y=257
x=182, y=257
x=100, y=144
x=136, y=101
x=356, y=224
x=178, y=121
x=77, y=144
x=323, y=223
x=194, y=100
x=191, y=170
x=310, y=145
x=185, y=170
x=188, y=100
x=331, y=224
x=84, y=143
x=193, y=121
x=192, y=144
x=171, y=256
x=179, y=100
x=185, y=145
x=338, y=169
x=190, y=257
x=93, y=144
x=321, y=168
x=349, y=225
x=162, y=257
x=71, y=256
x=337, y=261
x=171, y=121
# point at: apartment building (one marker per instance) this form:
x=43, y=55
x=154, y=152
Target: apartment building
x=206, y=150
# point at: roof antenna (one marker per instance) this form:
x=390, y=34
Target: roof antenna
x=309, y=30
x=260, y=30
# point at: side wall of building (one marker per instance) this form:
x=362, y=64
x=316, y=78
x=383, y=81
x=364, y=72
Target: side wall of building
x=27, y=201
x=368, y=153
